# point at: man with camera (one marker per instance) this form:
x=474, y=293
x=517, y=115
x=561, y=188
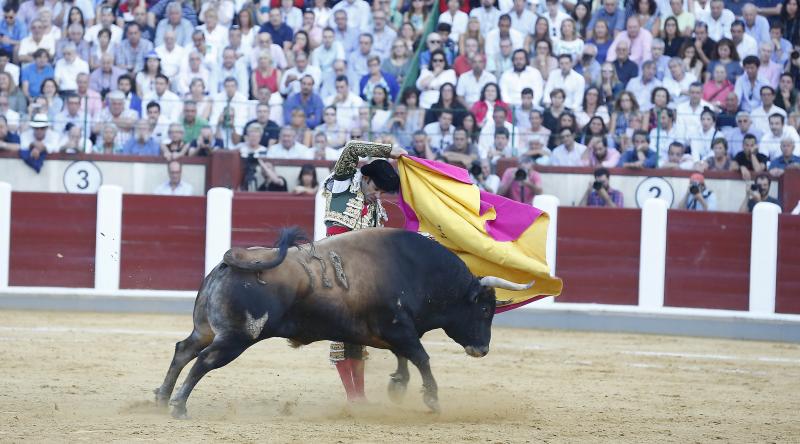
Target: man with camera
x=481, y=174
x=757, y=192
x=600, y=193
x=521, y=184
x=697, y=197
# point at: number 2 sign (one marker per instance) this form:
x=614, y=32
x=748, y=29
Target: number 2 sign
x=82, y=176
x=654, y=188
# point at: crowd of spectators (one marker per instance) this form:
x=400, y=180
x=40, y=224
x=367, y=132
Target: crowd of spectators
x=701, y=85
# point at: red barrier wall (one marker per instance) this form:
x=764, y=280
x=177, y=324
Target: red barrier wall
x=787, y=299
x=708, y=260
x=52, y=239
x=259, y=217
x=163, y=242
x=598, y=254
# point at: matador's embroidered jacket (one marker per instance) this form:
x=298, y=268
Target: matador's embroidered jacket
x=344, y=200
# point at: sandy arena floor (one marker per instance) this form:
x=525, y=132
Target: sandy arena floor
x=89, y=377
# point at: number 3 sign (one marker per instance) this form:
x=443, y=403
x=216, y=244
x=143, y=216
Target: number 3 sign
x=82, y=176
x=654, y=187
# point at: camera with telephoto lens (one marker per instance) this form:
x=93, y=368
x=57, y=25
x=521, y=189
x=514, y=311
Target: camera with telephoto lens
x=597, y=185
x=520, y=175
x=694, y=188
x=754, y=187
x=795, y=54
x=475, y=169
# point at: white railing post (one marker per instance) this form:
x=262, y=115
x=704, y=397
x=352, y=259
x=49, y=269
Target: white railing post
x=5, y=232
x=764, y=257
x=319, y=216
x=549, y=204
x=108, y=238
x=219, y=214
x=653, y=254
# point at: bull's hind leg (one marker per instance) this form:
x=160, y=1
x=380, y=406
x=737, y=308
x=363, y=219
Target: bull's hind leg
x=398, y=381
x=221, y=351
x=185, y=351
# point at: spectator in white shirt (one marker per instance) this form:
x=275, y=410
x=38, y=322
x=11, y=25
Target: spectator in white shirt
x=567, y=79
x=745, y=45
x=487, y=14
x=760, y=115
x=570, y=152
x=440, y=133
x=68, y=68
x=169, y=101
x=503, y=31
x=689, y=111
x=471, y=83
x=456, y=18
x=346, y=102
x=174, y=186
x=770, y=143
x=288, y=147
x=677, y=82
x=290, y=81
x=719, y=21
x=520, y=77
x=358, y=14
x=171, y=54
x=522, y=19
x=106, y=22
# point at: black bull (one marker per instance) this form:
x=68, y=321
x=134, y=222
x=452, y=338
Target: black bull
x=383, y=288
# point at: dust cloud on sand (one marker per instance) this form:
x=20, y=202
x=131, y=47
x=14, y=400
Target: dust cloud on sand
x=83, y=377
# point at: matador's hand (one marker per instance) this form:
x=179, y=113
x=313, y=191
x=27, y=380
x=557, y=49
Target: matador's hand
x=397, y=151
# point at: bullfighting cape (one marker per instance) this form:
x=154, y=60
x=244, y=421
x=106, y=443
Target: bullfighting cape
x=493, y=235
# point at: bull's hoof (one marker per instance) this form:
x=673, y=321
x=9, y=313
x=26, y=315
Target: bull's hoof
x=397, y=389
x=179, y=410
x=432, y=402
x=161, y=401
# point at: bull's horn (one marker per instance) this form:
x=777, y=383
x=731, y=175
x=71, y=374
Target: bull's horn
x=494, y=281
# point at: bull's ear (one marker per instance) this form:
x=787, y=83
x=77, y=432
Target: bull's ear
x=474, y=292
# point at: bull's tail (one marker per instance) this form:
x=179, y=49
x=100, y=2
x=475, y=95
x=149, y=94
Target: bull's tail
x=252, y=260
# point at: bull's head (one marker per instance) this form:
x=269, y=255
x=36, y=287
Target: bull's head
x=472, y=326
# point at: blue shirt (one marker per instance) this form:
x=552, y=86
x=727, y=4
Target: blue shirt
x=280, y=35
x=782, y=163
x=133, y=148
x=17, y=32
x=35, y=77
x=389, y=82
x=616, y=22
x=626, y=71
x=749, y=94
x=312, y=108
x=759, y=30
x=630, y=156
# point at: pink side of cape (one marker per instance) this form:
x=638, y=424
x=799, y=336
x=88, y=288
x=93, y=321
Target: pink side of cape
x=512, y=218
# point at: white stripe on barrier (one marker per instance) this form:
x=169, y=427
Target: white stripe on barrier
x=319, y=215
x=5, y=232
x=108, y=237
x=219, y=213
x=764, y=257
x=549, y=204
x=653, y=254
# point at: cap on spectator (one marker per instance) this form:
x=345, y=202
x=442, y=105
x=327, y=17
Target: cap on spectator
x=152, y=55
x=39, y=121
x=697, y=177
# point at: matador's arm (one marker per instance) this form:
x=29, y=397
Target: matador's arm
x=355, y=149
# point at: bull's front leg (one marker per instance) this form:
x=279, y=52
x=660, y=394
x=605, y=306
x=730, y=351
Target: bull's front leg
x=413, y=350
x=398, y=381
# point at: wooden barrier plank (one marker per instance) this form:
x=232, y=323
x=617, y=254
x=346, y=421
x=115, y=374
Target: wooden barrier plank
x=708, y=260
x=163, y=242
x=598, y=255
x=52, y=239
x=259, y=217
x=787, y=298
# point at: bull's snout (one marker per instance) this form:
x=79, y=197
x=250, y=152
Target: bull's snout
x=476, y=352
